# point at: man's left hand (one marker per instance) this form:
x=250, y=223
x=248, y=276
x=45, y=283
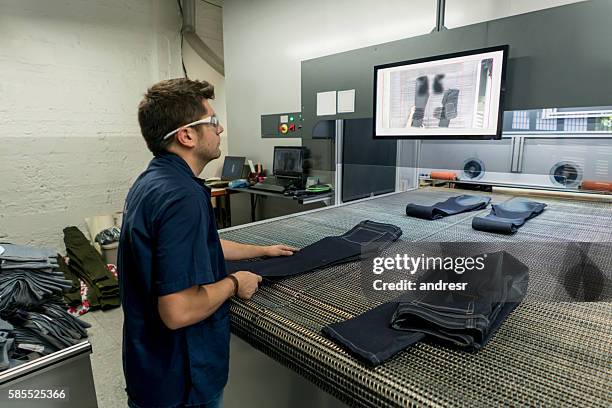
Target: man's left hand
x=278, y=250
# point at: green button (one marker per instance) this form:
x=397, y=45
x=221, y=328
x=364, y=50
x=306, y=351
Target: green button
x=291, y=118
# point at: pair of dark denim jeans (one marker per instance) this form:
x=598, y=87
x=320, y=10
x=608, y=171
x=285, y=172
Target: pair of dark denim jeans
x=367, y=237
x=451, y=206
x=508, y=217
x=466, y=319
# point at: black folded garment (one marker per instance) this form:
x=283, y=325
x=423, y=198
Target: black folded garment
x=365, y=238
x=452, y=206
x=466, y=318
x=508, y=217
x=369, y=337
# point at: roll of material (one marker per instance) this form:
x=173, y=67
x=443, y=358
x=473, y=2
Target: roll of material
x=596, y=185
x=444, y=175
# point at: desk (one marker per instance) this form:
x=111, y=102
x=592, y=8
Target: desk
x=307, y=199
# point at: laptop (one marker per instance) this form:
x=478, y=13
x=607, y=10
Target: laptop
x=232, y=170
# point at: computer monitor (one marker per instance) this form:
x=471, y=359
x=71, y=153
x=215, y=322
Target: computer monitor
x=452, y=96
x=288, y=161
x=232, y=168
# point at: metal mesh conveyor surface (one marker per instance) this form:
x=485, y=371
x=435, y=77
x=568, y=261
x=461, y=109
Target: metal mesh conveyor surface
x=549, y=352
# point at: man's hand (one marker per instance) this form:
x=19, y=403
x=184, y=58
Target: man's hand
x=278, y=250
x=248, y=283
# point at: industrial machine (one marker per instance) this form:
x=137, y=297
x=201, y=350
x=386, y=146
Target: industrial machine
x=552, y=350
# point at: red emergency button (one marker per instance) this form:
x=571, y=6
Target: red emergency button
x=283, y=128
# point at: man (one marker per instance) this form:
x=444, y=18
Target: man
x=173, y=281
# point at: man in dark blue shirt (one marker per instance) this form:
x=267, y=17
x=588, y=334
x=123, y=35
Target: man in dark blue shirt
x=173, y=282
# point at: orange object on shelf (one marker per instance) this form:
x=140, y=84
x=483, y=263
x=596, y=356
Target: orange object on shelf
x=596, y=185
x=444, y=175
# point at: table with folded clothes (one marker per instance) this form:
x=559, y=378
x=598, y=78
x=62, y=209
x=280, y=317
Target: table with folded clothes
x=497, y=344
x=33, y=317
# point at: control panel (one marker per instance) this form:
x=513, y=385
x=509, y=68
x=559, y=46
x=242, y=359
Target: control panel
x=281, y=125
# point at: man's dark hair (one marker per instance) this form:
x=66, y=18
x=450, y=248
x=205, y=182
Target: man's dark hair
x=169, y=105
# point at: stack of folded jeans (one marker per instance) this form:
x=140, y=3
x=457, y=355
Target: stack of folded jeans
x=33, y=317
x=45, y=329
x=87, y=264
x=365, y=238
x=28, y=276
x=466, y=319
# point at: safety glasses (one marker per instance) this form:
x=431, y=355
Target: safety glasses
x=211, y=120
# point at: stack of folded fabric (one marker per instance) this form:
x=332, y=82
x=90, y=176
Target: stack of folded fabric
x=33, y=317
x=28, y=276
x=72, y=296
x=46, y=329
x=465, y=319
x=87, y=264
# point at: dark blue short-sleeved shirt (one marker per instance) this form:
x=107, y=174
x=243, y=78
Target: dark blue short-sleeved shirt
x=169, y=242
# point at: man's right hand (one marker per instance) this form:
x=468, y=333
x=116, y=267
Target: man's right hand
x=247, y=284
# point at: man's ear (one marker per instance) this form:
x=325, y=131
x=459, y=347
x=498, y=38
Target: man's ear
x=185, y=137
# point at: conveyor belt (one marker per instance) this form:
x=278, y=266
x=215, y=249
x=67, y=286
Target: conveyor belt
x=549, y=352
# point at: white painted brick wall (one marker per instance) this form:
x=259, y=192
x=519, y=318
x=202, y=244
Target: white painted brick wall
x=71, y=75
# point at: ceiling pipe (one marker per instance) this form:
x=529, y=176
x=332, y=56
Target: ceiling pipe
x=440, y=12
x=193, y=39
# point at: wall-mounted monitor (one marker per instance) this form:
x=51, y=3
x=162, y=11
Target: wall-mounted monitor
x=452, y=96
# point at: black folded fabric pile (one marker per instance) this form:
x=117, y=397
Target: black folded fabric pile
x=508, y=217
x=451, y=206
x=466, y=319
x=46, y=329
x=33, y=316
x=367, y=237
x=87, y=264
